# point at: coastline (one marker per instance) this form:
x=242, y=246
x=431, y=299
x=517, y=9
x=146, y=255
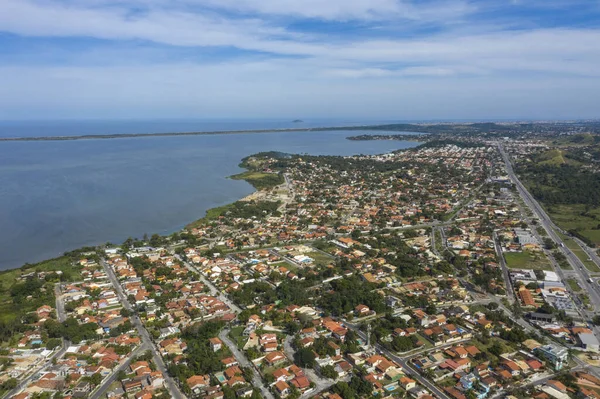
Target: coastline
x=208, y=213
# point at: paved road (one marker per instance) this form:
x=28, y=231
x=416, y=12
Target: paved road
x=103, y=387
x=214, y=291
x=408, y=369
x=510, y=292
x=241, y=358
x=60, y=304
x=169, y=381
x=61, y=315
x=321, y=384
x=548, y=225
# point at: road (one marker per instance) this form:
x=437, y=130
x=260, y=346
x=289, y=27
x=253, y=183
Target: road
x=61, y=316
x=548, y=225
x=160, y=364
x=408, y=369
x=510, y=292
x=241, y=358
x=214, y=291
x=321, y=384
x=106, y=383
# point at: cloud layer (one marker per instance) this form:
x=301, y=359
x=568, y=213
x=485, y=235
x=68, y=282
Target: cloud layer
x=369, y=59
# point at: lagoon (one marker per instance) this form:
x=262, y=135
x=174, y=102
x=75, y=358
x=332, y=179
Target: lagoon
x=58, y=196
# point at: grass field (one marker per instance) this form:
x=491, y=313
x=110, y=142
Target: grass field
x=320, y=258
x=527, y=260
x=580, y=253
x=236, y=335
x=573, y=284
x=574, y=217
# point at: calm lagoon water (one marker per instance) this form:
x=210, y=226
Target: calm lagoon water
x=60, y=195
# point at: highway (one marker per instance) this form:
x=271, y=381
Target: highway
x=547, y=224
x=146, y=339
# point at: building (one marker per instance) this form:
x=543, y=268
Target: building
x=589, y=342
x=542, y=317
x=215, y=344
x=557, y=356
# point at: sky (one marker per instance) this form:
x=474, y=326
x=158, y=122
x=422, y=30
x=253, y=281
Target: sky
x=359, y=59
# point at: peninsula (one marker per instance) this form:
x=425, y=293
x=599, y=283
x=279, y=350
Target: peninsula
x=431, y=128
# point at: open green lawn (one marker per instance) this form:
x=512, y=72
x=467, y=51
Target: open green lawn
x=527, y=260
x=260, y=180
x=572, y=217
x=320, y=258
x=574, y=284
x=580, y=253
x=236, y=335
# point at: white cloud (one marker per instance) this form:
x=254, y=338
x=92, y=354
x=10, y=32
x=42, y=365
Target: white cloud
x=351, y=71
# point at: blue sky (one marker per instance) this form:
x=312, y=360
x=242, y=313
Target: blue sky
x=360, y=59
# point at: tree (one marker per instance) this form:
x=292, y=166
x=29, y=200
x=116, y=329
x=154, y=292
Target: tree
x=53, y=343
x=305, y=357
x=329, y=372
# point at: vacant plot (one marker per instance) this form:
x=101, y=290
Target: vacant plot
x=580, y=253
x=527, y=260
x=575, y=217
x=320, y=258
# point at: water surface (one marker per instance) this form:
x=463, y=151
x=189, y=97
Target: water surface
x=58, y=196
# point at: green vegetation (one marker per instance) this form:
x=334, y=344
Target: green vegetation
x=320, y=258
x=573, y=284
x=239, y=209
x=71, y=330
x=580, y=253
x=579, y=218
x=570, y=192
x=527, y=260
x=236, y=334
x=349, y=293
x=200, y=357
x=24, y=290
x=305, y=357
x=357, y=388
x=551, y=157
x=260, y=180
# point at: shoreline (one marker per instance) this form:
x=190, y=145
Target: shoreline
x=249, y=197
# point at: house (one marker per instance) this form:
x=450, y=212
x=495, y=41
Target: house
x=362, y=310
x=82, y=389
x=302, y=383
x=407, y=383
x=215, y=344
x=275, y=358
x=198, y=383
x=282, y=388
x=229, y=361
